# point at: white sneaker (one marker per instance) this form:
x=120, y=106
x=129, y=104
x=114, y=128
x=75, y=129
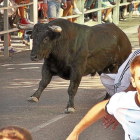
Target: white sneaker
x=76, y=11
x=85, y=9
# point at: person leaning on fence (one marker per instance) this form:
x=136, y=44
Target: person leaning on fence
x=107, y=14
x=124, y=106
x=52, y=8
x=11, y=17
x=14, y=133
x=24, y=22
x=70, y=10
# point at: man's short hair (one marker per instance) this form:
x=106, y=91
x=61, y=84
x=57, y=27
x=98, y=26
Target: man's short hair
x=135, y=62
x=15, y=133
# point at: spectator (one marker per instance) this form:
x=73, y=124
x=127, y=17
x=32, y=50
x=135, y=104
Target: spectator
x=11, y=15
x=24, y=22
x=136, y=9
x=90, y=4
x=75, y=9
x=52, y=8
x=107, y=12
x=124, y=106
x=11, y=18
x=122, y=10
x=87, y=4
x=14, y=133
x=69, y=11
x=95, y=13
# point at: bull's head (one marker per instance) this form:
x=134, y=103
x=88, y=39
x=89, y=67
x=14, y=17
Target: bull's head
x=44, y=38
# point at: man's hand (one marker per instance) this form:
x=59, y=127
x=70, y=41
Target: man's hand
x=109, y=120
x=65, y=5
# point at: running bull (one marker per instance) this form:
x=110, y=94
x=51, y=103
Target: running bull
x=71, y=51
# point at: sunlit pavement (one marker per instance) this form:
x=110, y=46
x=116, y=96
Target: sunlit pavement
x=46, y=119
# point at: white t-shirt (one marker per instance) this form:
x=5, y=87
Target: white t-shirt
x=11, y=11
x=125, y=109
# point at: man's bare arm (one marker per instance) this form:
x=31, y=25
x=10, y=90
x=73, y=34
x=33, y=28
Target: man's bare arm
x=97, y=112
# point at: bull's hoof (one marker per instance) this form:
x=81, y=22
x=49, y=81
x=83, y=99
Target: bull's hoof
x=33, y=99
x=69, y=110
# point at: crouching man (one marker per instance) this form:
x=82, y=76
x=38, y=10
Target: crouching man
x=124, y=106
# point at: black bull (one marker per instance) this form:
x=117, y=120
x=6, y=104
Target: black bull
x=71, y=51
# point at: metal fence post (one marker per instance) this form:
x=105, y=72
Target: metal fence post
x=116, y=12
x=80, y=5
x=99, y=12
x=34, y=11
x=6, y=35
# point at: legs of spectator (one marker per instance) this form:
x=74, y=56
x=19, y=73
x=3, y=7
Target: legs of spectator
x=136, y=9
x=139, y=7
x=75, y=9
x=24, y=21
x=68, y=10
x=10, y=48
x=26, y=39
x=122, y=12
x=108, y=11
x=88, y=4
x=95, y=13
x=53, y=10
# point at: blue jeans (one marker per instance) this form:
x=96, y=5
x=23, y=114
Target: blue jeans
x=88, y=4
x=53, y=9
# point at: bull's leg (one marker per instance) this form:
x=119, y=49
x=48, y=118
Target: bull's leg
x=74, y=84
x=46, y=78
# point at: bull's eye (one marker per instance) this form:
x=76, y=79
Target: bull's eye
x=46, y=40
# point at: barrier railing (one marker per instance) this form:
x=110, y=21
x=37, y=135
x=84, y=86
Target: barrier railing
x=80, y=18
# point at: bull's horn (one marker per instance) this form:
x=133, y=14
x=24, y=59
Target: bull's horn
x=54, y=28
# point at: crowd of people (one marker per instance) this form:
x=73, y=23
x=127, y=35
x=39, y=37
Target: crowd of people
x=107, y=13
